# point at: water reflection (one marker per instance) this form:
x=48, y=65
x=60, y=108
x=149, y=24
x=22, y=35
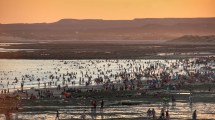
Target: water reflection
x=181, y=111
x=187, y=53
x=16, y=50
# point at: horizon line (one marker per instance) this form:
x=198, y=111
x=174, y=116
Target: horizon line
x=107, y=19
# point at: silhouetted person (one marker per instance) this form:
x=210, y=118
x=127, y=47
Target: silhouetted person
x=57, y=115
x=173, y=99
x=194, y=115
x=93, y=109
x=162, y=114
x=167, y=115
x=149, y=113
x=102, y=104
x=22, y=85
x=153, y=113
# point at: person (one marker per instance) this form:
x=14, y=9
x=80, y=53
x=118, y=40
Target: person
x=93, y=109
x=162, y=114
x=102, y=104
x=57, y=115
x=173, y=99
x=149, y=113
x=22, y=85
x=94, y=105
x=167, y=115
x=153, y=113
x=194, y=115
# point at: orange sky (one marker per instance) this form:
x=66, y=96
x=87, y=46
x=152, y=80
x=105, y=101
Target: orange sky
x=31, y=11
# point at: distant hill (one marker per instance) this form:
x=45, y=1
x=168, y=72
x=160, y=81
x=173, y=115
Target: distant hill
x=195, y=39
x=97, y=29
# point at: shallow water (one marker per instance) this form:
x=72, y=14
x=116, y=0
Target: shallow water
x=16, y=50
x=42, y=69
x=180, y=110
x=186, y=54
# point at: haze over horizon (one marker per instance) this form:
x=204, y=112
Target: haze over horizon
x=94, y=19
x=39, y=11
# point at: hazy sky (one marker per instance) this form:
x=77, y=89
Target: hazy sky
x=28, y=11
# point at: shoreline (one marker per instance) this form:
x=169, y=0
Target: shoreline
x=68, y=51
x=75, y=105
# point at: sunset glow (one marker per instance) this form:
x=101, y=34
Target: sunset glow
x=31, y=11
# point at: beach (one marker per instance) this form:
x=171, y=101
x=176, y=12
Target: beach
x=128, y=87
x=107, y=60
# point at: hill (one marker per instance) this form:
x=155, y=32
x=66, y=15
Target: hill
x=195, y=39
x=97, y=29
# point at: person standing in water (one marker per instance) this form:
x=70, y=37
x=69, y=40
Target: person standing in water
x=194, y=115
x=167, y=115
x=22, y=85
x=57, y=115
x=162, y=113
x=153, y=113
x=149, y=113
x=102, y=104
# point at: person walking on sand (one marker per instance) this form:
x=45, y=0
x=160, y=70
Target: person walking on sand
x=194, y=115
x=57, y=115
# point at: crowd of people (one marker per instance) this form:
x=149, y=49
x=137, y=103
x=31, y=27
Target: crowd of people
x=130, y=73
x=112, y=75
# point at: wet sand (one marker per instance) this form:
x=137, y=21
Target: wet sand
x=126, y=106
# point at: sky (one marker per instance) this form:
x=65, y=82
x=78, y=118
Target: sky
x=37, y=11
